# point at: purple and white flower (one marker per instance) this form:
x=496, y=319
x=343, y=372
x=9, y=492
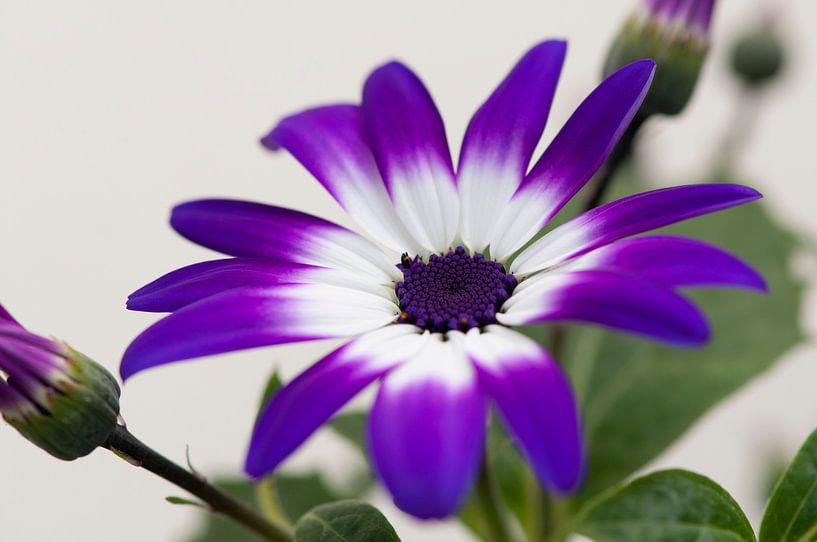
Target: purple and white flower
x=434, y=325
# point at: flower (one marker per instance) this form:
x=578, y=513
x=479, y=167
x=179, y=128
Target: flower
x=675, y=34
x=54, y=396
x=434, y=325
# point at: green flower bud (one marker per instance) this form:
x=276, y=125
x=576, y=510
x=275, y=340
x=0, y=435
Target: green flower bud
x=758, y=57
x=675, y=36
x=56, y=397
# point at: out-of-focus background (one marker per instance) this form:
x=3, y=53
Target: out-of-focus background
x=113, y=111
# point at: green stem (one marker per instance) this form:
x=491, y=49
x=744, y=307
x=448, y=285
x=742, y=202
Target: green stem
x=490, y=503
x=554, y=529
x=620, y=156
x=128, y=447
x=547, y=515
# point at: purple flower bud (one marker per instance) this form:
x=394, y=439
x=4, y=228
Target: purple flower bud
x=673, y=33
x=54, y=396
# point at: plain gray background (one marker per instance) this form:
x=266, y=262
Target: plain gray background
x=114, y=110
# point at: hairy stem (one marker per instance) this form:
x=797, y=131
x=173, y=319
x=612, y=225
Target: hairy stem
x=125, y=445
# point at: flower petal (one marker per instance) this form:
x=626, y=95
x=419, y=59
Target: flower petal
x=331, y=143
x=671, y=261
x=535, y=400
x=409, y=143
x=6, y=316
x=11, y=399
x=574, y=156
x=501, y=138
x=427, y=429
x=307, y=402
x=251, y=317
x=189, y=284
x=254, y=230
x=628, y=216
x=612, y=300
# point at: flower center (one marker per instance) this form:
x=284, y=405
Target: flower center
x=455, y=291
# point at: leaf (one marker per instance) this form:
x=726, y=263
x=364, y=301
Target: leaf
x=185, y=502
x=345, y=521
x=296, y=494
x=792, y=511
x=352, y=427
x=637, y=396
x=274, y=383
x=667, y=506
x=299, y=493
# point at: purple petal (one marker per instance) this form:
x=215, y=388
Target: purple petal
x=306, y=403
x=194, y=282
x=628, y=216
x=254, y=230
x=535, y=401
x=501, y=138
x=12, y=331
x=672, y=261
x=574, y=156
x=10, y=398
x=331, y=143
x=612, y=300
x=252, y=317
x=6, y=316
x=409, y=144
x=427, y=430
x=695, y=13
x=29, y=367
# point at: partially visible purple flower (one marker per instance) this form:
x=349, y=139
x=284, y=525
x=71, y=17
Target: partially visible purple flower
x=675, y=34
x=434, y=325
x=54, y=396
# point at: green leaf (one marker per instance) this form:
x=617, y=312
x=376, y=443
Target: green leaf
x=667, y=506
x=299, y=493
x=792, y=511
x=638, y=396
x=352, y=427
x=345, y=521
x=293, y=495
x=274, y=384
x=185, y=502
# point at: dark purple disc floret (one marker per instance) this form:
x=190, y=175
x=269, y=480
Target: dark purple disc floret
x=454, y=291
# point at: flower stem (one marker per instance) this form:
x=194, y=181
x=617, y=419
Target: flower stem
x=125, y=445
x=490, y=503
x=554, y=522
x=620, y=155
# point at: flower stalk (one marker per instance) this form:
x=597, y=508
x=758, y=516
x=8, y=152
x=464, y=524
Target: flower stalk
x=128, y=447
x=491, y=504
x=620, y=156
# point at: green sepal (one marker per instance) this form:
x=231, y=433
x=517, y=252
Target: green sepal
x=79, y=412
x=679, y=60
